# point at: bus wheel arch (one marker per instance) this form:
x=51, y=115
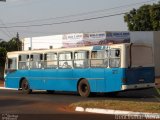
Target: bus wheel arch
x=83, y=87
x=20, y=82
x=25, y=86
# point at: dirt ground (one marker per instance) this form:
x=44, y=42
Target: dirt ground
x=1, y=83
x=158, y=80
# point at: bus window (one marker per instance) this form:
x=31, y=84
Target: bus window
x=81, y=59
x=65, y=60
x=99, y=59
x=36, y=61
x=23, y=62
x=12, y=63
x=50, y=60
x=114, y=60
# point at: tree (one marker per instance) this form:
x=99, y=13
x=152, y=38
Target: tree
x=13, y=45
x=3, y=54
x=146, y=18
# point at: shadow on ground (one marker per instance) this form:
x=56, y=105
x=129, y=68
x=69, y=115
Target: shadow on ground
x=8, y=102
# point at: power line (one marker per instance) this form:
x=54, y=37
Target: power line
x=8, y=32
x=5, y=33
x=13, y=4
x=65, y=22
x=84, y=13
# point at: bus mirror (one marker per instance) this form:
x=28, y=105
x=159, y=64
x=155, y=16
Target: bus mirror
x=117, y=54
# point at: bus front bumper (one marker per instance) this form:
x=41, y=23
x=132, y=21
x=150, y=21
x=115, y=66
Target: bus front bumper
x=138, y=86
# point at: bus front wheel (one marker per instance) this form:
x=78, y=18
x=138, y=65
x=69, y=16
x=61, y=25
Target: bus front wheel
x=84, y=88
x=25, y=87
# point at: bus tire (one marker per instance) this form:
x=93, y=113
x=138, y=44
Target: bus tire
x=25, y=87
x=84, y=88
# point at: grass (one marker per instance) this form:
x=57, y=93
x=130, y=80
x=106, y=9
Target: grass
x=153, y=107
x=158, y=90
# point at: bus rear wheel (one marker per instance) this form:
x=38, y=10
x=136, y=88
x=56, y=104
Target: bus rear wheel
x=84, y=88
x=25, y=87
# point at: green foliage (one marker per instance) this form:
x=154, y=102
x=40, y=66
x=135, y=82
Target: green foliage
x=3, y=53
x=146, y=18
x=13, y=45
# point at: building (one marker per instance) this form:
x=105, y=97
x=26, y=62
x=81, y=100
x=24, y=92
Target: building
x=74, y=40
x=43, y=42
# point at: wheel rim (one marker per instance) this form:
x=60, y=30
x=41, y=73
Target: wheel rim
x=84, y=88
x=25, y=85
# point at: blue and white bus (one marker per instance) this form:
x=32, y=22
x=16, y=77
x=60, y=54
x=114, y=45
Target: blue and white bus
x=86, y=70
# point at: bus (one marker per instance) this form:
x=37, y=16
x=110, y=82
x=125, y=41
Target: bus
x=86, y=70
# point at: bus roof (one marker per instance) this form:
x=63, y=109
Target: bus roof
x=90, y=48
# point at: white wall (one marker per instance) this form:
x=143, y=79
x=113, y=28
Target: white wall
x=157, y=52
x=43, y=42
x=142, y=37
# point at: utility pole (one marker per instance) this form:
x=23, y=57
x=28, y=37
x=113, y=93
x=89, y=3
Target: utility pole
x=18, y=42
x=17, y=36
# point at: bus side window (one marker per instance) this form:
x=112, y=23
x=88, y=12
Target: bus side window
x=36, y=61
x=81, y=59
x=98, y=58
x=23, y=62
x=50, y=60
x=9, y=63
x=114, y=58
x=65, y=60
x=12, y=63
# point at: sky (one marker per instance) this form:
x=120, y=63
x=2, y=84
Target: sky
x=57, y=16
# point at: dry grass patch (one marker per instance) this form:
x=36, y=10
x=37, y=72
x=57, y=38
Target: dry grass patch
x=153, y=107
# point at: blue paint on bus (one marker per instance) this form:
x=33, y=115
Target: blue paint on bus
x=100, y=79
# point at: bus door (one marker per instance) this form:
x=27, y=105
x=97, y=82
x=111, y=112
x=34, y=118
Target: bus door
x=65, y=71
x=65, y=76
x=97, y=64
x=113, y=72
x=11, y=75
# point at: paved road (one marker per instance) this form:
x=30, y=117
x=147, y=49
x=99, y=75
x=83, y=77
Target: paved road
x=42, y=105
